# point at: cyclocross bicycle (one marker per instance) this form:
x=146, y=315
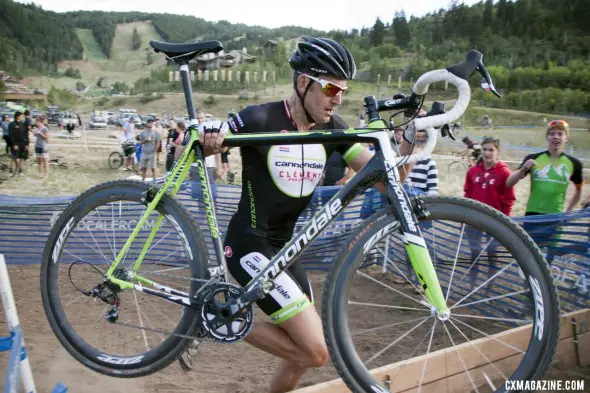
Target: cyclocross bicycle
x=123, y=255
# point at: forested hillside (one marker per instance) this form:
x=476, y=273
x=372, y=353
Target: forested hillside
x=529, y=45
x=33, y=39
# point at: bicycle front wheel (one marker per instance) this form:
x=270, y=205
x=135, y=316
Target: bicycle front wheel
x=148, y=332
x=504, y=321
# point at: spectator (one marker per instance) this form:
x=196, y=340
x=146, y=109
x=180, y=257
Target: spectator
x=42, y=133
x=128, y=142
x=486, y=183
x=5, y=134
x=551, y=171
x=160, y=130
x=174, y=139
x=19, y=137
x=149, y=139
x=423, y=178
x=225, y=166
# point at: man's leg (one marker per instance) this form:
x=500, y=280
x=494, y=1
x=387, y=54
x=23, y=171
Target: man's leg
x=299, y=341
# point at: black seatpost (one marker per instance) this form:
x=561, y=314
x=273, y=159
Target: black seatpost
x=186, y=86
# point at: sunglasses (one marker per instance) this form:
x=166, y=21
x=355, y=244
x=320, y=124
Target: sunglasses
x=558, y=123
x=329, y=88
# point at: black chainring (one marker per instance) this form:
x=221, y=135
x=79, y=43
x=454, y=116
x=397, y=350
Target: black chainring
x=216, y=318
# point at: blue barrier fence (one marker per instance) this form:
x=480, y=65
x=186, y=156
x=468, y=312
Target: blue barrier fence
x=25, y=223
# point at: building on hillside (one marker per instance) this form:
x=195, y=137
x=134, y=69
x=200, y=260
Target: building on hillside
x=15, y=90
x=212, y=61
x=268, y=48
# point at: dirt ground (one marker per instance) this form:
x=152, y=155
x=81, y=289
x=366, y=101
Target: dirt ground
x=223, y=368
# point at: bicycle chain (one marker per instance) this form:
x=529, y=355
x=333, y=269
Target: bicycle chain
x=201, y=339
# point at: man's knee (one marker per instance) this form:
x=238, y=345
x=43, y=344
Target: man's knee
x=319, y=356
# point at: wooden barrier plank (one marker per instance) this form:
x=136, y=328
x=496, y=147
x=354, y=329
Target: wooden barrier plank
x=444, y=369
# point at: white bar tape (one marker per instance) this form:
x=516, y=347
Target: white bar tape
x=425, y=152
x=421, y=87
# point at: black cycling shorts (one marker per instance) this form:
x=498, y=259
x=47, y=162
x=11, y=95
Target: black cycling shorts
x=246, y=257
x=224, y=157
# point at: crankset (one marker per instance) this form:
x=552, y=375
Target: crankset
x=217, y=319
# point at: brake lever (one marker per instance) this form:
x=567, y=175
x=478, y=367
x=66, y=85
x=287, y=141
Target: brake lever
x=486, y=82
x=445, y=131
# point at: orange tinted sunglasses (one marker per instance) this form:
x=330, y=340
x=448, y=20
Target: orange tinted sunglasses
x=330, y=89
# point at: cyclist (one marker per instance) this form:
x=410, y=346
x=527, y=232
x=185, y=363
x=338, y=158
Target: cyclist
x=473, y=149
x=551, y=171
x=278, y=182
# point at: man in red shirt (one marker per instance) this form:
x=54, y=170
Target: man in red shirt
x=486, y=182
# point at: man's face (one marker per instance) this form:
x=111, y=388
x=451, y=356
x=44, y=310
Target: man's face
x=201, y=118
x=556, y=139
x=19, y=118
x=398, y=135
x=320, y=105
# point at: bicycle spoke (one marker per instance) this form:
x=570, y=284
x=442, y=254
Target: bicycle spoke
x=403, y=275
x=455, y=262
x=106, y=235
x=395, y=342
x=422, y=372
x=388, y=306
x=484, y=283
x=97, y=245
x=386, y=326
x=494, y=318
x=493, y=298
x=477, y=259
x=147, y=347
x=480, y=352
x=488, y=335
x=389, y=287
x=461, y=359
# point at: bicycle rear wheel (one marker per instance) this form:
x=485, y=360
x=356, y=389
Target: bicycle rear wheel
x=83, y=243
x=115, y=160
x=495, y=280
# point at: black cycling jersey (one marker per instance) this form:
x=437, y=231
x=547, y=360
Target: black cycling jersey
x=278, y=181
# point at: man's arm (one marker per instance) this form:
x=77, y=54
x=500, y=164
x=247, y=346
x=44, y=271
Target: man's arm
x=578, y=179
x=576, y=198
x=519, y=174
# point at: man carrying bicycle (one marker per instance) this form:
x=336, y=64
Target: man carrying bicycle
x=278, y=183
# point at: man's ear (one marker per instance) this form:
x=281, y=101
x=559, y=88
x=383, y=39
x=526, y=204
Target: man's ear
x=302, y=82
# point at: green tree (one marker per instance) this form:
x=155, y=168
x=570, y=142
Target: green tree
x=401, y=29
x=488, y=14
x=135, y=40
x=377, y=33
